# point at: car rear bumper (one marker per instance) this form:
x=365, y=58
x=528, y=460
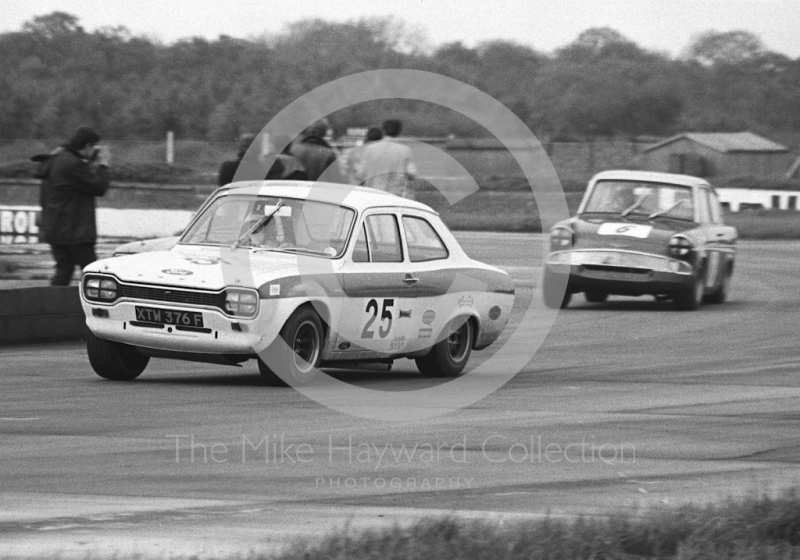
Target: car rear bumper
x=620, y=272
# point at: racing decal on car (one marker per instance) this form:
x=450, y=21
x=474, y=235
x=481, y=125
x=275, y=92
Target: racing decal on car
x=404, y=314
x=177, y=271
x=374, y=325
x=629, y=230
x=397, y=343
x=465, y=301
x=274, y=289
x=429, y=316
x=425, y=333
x=206, y=260
x=381, y=284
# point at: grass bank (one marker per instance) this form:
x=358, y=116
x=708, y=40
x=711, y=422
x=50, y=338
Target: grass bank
x=765, y=224
x=751, y=529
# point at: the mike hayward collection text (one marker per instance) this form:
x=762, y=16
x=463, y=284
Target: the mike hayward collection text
x=279, y=449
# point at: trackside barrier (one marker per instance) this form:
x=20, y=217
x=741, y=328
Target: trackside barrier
x=41, y=314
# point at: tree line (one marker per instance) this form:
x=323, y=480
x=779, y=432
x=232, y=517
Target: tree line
x=54, y=76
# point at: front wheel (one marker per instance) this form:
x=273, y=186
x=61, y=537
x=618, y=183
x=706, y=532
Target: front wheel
x=449, y=356
x=721, y=293
x=114, y=360
x=296, y=354
x=691, y=298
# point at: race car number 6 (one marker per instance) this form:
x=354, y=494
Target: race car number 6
x=372, y=315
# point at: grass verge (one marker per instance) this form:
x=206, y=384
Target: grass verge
x=765, y=224
x=750, y=529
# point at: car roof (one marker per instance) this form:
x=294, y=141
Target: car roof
x=651, y=176
x=359, y=198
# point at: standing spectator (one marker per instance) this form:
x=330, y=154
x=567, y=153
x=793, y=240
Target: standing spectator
x=286, y=166
x=71, y=180
x=318, y=157
x=228, y=168
x=387, y=164
x=352, y=159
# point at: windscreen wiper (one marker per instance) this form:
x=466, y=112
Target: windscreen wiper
x=256, y=226
x=666, y=211
x=634, y=206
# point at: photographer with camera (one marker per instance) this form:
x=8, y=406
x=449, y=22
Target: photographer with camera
x=72, y=177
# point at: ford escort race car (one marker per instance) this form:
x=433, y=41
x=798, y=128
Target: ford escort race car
x=298, y=276
x=638, y=233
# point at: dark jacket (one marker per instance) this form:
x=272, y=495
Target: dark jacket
x=318, y=158
x=227, y=170
x=286, y=167
x=69, y=186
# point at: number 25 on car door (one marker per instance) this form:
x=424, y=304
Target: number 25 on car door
x=377, y=314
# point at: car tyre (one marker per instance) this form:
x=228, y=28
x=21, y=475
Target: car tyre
x=721, y=293
x=552, y=296
x=297, y=353
x=114, y=360
x=449, y=356
x=692, y=298
x=595, y=297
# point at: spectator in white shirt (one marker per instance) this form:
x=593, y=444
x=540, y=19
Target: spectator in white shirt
x=387, y=164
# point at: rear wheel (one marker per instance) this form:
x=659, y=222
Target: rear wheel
x=449, y=356
x=114, y=360
x=690, y=299
x=595, y=297
x=552, y=295
x=296, y=354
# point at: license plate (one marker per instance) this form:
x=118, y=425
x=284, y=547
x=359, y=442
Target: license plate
x=169, y=317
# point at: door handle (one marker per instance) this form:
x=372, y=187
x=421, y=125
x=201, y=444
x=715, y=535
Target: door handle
x=410, y=280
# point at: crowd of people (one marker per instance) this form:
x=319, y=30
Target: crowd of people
x=75, y=174
x=379, y=160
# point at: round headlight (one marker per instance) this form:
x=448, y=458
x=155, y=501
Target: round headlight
x=680, y=246
x=561, y=238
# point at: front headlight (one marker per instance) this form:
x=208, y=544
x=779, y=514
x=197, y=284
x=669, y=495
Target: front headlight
x=561, y=238
x=100, y=288
x=680, y=247
x=242, y=303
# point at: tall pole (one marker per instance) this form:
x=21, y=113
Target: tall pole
x=170, y=147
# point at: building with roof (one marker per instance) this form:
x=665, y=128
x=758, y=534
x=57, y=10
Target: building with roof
x=718, y=155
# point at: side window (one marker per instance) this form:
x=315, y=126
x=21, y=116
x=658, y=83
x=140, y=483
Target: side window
x=716, y=210
x=424, y=244
x=702, y=205
x=361, y=250
x=383, y=236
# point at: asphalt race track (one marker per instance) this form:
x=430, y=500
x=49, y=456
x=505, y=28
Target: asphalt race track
x=628, y=405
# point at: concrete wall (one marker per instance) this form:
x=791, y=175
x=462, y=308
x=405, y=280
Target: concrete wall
x=735, y=199
x=41, y=314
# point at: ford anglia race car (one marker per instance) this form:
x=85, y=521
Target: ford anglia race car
x=638, y=233
x=297, y=276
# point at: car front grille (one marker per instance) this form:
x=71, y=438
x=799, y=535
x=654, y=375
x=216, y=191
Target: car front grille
x=180, y=296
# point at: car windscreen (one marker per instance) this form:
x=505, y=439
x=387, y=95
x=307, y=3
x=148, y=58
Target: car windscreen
x=294, y=225
x=641, y=198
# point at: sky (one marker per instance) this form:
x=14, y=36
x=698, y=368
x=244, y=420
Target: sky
x=663, y=25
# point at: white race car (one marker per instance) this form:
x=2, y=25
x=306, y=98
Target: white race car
x=298, y=276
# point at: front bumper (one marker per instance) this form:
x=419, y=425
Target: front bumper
x=620, y=271
x=220, y=334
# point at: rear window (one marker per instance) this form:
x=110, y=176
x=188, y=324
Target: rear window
x=424, y=244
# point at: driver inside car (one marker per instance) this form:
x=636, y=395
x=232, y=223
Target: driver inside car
x=268, y=236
